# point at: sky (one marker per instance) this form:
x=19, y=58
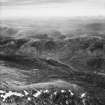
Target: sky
x=51, y=8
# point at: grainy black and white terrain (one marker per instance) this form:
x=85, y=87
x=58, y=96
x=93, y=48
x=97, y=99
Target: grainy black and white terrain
x=58, y=62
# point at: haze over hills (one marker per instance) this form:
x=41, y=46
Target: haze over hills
x=59, y=26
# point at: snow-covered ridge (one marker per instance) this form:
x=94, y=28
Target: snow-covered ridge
x=4, y=95
x=8, y=94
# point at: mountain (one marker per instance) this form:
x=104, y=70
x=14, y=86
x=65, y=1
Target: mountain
x=52, y=68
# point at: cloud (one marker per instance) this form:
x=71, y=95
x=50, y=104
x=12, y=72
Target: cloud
x=38, y=2
x=23, y=2
x=11, y=8
x=70, y=9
